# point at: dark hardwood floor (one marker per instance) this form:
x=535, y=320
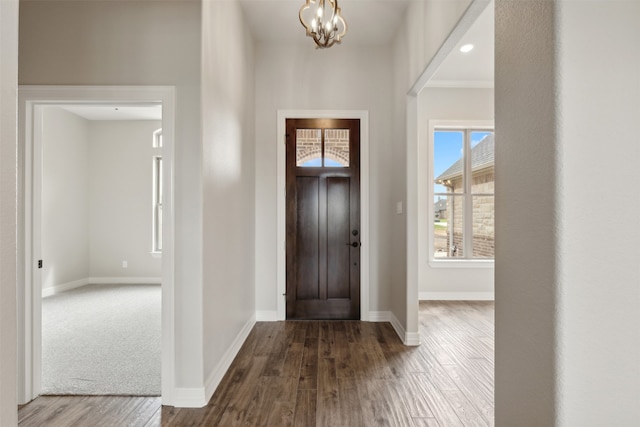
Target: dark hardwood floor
x=326, y=373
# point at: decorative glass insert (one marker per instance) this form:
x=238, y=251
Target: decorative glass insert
x=336, y=147
x=309, y=147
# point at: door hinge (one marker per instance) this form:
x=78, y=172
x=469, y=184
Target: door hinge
x=39, y=263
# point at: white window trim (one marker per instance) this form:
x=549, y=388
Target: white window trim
x=426, y=157
x=155, y=231
x=157, y=139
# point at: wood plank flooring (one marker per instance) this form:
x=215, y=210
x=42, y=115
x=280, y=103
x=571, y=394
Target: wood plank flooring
x=326, y=373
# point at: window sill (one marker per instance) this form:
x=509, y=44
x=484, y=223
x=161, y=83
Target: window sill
x=461, y=263
x=156, y=254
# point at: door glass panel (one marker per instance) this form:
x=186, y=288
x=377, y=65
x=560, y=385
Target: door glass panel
x=308, y=148
x=336, y=148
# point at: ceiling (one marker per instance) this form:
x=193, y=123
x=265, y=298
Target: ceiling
x=371, y=23
x=475, y=68
x=115, y=111
x=375, y=23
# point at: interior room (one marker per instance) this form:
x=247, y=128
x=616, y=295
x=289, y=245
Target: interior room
x=101, y=264
x=567, y=328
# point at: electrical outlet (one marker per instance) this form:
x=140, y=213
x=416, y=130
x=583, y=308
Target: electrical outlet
x=125, y=264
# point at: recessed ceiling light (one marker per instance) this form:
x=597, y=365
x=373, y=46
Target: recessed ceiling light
x=466, y=48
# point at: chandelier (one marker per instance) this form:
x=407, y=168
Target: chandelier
x=327, y=25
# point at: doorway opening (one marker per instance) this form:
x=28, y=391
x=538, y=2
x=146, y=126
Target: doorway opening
x=454, y=90
x=46, y=186
x=363, y=232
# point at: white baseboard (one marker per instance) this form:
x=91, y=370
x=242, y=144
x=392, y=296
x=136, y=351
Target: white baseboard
x=53, y=290
x=379, y=316
x=456, y=296
x=214, y=378
x=266, y=316
x=407, y=338
x=125, y=280
x=189, y=398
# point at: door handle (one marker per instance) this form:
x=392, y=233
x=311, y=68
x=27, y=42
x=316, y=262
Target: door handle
x=354, y=244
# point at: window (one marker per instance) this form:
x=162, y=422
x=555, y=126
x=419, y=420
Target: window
x=463, y=193
x=156, y=237
x=322, y=148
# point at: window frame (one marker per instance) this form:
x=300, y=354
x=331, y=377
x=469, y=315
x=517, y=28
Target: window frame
x=455, y=125
x=157, y=196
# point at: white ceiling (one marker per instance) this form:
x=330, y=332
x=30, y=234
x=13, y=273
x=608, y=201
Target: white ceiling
x=370, y=22
x=475, y=68
x=115, y=111
x=375, y=23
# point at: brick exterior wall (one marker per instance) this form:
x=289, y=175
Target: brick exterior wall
x=309, y=145
x=483, y=217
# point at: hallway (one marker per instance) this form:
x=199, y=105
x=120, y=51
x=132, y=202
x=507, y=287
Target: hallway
x=327, y=374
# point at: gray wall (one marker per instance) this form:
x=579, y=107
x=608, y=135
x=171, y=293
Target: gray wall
x=137, y=43
x=229, y=188
x=120, y=199
x=287, y=79
x=65, y=198
x=8, y=208
x=567, y=318
x=96, y=200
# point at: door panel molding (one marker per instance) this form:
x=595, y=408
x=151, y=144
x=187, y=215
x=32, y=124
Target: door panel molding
x=363, y=116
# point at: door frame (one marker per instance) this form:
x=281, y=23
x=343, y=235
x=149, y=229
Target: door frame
x=30, y=102
x=281, y=258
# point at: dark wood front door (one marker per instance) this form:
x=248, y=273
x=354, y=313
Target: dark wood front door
x=323, y=218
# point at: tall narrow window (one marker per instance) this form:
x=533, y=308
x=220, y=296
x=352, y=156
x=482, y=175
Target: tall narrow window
x=156, y=239
x=463, y=190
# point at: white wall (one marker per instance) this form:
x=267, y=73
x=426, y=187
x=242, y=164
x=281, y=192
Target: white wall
x=8, y=244
x=427, y=25
x=120, y=196
x=65, y=198
x=96, y=200
x=450, y=104
x=228, y=185
x=137, y=43
x=567, y=318
x=599, y=292
x=297, y=78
